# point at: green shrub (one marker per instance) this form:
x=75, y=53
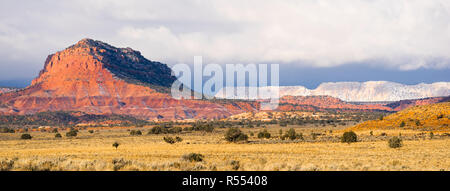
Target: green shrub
x=264, y=134
x=57, y=135
x=91, y=131
x=169, y=140
x=55, y=130
x=235, y=164
x=115, y=145
x=235, y=135
x=193, y=157
x=402, y=124
x=292, y=135
x=135, y=132
x=72, y=133
x=349, y=137
x=6, y=130
x=26, y=136
x=395, y=142
x=157, y=130
x=172, y=140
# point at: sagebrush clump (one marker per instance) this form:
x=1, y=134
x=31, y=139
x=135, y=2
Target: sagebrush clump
x=349, y=137
x=292, y=135
x=395, y=142
x=135, y=132
x=235, y=135
x=193, y=157
x=264, y=134
x=26, y=136
x=72, y=133
x=115, y=145
x=172, y=140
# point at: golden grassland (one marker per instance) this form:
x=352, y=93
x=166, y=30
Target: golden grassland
x=94, y=151
x=431, y=117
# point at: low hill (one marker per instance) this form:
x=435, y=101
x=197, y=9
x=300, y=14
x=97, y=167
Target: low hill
x=426, y=117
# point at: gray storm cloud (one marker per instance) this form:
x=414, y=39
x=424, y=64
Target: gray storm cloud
x=402, y=34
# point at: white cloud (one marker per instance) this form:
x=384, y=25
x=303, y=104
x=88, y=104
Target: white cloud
x=401, y=34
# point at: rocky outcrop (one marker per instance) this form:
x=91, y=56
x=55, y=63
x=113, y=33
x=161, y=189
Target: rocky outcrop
x=97, y=78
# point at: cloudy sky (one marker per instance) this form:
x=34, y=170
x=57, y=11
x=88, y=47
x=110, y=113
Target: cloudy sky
x=407, y=41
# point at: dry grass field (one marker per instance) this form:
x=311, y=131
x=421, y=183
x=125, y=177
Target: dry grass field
x=94, y=151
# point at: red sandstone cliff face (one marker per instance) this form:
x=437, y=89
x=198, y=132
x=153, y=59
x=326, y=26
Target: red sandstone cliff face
x=97, y=78
x=321, y=103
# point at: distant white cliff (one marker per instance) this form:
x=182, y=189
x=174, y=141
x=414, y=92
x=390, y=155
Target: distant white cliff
x=370, y=91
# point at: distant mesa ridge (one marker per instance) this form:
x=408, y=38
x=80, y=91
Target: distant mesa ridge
x=371, y=91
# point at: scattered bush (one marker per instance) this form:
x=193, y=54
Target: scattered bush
x=165, y=129
x=402, y=124
x=6, y=165
x=26, y=136
x=178, y=139
x=6, y=130
x=349, y=137
x=235, y=135
x=157, y=130
x=193, y=157
x=115, y=144
x=57, y=135
x=395, y=142
x=120, y=163
x=235, y=164
x=55, y=130
x=91, y=131
x=169, y=140
x=264, y=134
x=135, y=132
x=292, y=135
x=72, y=133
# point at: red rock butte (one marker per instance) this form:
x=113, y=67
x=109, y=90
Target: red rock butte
x=97, y=78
